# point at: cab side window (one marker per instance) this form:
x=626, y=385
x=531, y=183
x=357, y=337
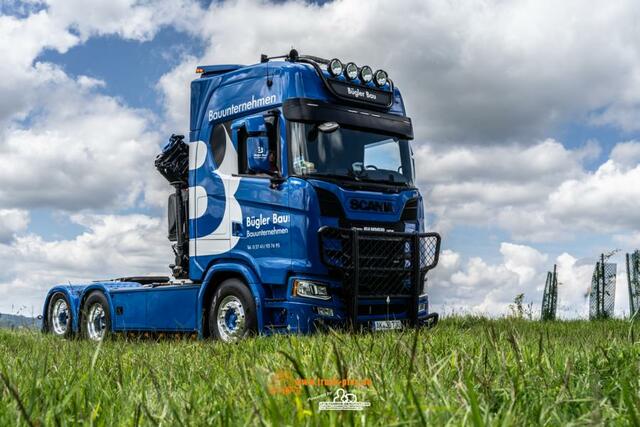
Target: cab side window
x=218, y=142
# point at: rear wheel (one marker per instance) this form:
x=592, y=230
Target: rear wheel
x=96, y=317
x=59, y=317
x=232, y=315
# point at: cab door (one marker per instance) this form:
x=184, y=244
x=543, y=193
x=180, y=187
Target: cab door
x=263, y=195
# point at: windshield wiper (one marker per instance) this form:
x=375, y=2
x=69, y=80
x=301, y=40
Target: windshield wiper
x=384, y=181
x=331, y=175
x=358, y=177
x=365, y=177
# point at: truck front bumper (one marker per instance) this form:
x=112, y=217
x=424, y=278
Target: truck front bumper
x=305, y=315
x=382, y=273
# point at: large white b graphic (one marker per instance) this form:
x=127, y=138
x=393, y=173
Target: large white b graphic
x=221, y=240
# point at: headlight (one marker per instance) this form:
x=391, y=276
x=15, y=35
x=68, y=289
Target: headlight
x=351, y=71
x=366, y=74
x=380, y=78
x=335, y=67
x=309, y=289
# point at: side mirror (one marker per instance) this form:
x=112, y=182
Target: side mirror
x=259, y=159
x=255, y=125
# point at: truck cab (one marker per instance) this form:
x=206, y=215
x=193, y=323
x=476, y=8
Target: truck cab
x=294, y=209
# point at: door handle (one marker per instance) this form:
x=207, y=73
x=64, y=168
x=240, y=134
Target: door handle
x=236, y=229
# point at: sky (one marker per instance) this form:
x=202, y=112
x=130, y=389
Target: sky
x=526, y=116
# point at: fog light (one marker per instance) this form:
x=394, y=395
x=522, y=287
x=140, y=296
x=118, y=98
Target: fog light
x=366, y=74
x=422, y=307
x=380, y=78
x=324, y=311
x=309, y=289
x=351, y=71
x=335, y=67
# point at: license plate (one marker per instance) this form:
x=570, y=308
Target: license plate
x=387, y=325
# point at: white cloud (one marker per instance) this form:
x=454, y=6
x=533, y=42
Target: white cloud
x=492, y=71
x=175, y=88
x=626, y=154
x=60, y=25
x=540, y=192
x=84, y=150
x=479, y=287
x=606, y=200
x=630, y=240
x=112, y=246
x=63, y=144
x=129, y=19
x=498, y=185
x=12, y=221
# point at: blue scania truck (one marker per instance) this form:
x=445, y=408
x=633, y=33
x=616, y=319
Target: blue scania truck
x=294, y=209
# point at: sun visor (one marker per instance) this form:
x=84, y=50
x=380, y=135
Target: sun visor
x=314, y=111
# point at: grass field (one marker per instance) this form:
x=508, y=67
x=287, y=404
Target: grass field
x=465, y=371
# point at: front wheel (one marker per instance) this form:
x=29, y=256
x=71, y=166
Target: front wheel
x=232, y=315
x=96, y=317
x=59, y=317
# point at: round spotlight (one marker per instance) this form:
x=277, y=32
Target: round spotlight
x=380, y=78
x=366, y=74
x=335, y=67
x=351, y=71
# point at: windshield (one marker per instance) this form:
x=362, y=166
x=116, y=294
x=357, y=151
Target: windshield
x=350, y=154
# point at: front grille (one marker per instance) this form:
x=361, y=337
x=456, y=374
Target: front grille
x=376, y=264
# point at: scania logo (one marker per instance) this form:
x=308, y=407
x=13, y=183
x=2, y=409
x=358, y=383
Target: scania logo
x=370, y=206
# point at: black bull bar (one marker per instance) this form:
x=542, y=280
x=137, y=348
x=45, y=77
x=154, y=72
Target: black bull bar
x=379, y=264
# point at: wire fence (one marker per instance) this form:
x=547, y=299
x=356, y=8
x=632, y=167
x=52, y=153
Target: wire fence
x=550, y=296
x=633, y=281
x=603, y=290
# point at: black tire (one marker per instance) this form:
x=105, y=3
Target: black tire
x=228, y=295
x=62, y=324
x=95, y=325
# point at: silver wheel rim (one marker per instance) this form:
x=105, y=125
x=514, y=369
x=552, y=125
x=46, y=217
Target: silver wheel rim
x=96, y=322
x=60, y=317
x=231, y=319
